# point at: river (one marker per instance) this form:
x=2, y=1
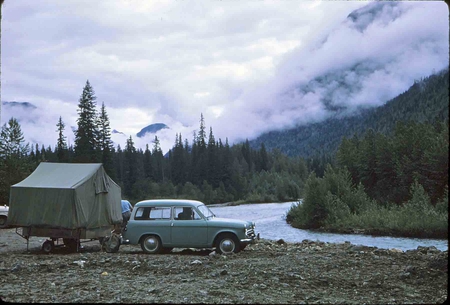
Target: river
x=271, y=224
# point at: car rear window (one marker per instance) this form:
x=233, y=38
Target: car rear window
x=152, y=213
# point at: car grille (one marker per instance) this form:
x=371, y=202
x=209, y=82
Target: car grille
x=250, y=233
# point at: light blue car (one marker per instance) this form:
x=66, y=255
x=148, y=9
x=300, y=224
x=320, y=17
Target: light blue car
x=161, y=225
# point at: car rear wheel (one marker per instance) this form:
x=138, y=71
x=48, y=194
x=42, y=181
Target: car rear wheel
x=151, y=244
x=227, y=243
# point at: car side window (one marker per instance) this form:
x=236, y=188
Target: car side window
x=152, y=213
x=142, y=213
x=160, y=213
x=196, y=215
x=186, y=213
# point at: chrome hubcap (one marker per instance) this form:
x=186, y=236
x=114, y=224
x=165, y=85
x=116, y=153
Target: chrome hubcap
x=151, y=244
x=227, y=246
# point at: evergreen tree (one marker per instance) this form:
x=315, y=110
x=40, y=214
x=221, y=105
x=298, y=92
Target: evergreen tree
x=104, y=142
x=148, y=168
x=130, y=168
x=213, y=161
x=199, y=156
x=15, y=163
x=158, y=160
x=177, y=162
x=61, y=145
x=87, y=133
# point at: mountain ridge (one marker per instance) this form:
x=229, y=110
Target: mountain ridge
x=425, y=101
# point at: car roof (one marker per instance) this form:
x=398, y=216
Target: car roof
x=169, y=202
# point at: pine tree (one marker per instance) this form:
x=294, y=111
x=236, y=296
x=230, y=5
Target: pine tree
x=61, y=145
x=148, y=168
x=104, y=141
x=213, y=161
x=178, y=164
x=87, y=133
x=158, y=161
x=15, y=164
x=199, y=156
x=129, y=177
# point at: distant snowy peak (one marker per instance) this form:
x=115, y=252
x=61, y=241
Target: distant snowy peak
x=153, y=128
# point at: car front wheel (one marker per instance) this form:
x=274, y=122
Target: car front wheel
x=227, y=243
x=151, y=244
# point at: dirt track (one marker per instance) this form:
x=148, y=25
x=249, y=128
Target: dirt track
x=266, y=272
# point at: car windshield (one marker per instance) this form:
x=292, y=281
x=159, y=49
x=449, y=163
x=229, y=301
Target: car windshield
x=205, y=211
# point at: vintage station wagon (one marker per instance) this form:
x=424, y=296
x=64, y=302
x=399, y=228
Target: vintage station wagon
x=161, y=225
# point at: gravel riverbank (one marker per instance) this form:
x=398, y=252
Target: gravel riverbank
x=266, y=272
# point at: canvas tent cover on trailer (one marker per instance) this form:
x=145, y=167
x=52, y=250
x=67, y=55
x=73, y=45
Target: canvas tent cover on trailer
x=65, y=195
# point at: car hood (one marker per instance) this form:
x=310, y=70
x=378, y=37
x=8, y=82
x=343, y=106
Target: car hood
x=229, y=222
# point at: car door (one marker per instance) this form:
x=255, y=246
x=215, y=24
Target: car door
x=188, y=228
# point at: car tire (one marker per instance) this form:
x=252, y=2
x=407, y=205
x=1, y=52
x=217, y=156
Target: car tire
x=3, y=220
x=48, y=246
x=151, y=244
x=227, y=243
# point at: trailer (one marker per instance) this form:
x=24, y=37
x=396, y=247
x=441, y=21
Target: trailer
x=69, y=203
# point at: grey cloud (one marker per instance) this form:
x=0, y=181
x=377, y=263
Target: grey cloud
x=371, y=57
x=159, y=58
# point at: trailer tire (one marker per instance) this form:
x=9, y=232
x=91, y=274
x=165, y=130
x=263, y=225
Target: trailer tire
x=48, y=246
x=3, y=220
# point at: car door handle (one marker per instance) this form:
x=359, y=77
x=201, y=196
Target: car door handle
x=171, y=224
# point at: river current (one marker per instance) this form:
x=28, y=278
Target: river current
x=271, y=224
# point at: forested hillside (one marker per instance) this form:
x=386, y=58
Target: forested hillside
x=213, y=171
x=425, y=101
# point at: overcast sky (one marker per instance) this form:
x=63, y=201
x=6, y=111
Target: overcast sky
x=249, y=66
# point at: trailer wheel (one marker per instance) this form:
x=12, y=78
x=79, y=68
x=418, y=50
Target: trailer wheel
x=48, y=246
x=3, y=221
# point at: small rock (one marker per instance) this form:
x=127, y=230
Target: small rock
x=196, y=262
x=79, y=263
x=404, y=275
x=395, y=250
x=280, y=241
x=410, y=269
x=16, y=268
x=104, y=273
x=223, y=272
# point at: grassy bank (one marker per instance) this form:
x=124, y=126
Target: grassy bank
x=332, y=204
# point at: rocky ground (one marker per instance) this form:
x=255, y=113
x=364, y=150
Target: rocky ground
x=266, y=272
